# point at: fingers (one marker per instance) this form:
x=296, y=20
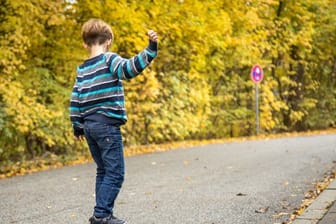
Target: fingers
x=152, y=35
x=80, y=137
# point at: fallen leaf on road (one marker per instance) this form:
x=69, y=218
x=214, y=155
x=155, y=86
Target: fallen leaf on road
x=262, y=210
x=241, y=194
x=300, y=210
x=279, y=215
x=285, y=204
x=188, y=178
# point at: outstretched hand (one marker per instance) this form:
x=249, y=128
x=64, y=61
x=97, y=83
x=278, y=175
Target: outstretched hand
x=80, y=137
x=152, y=35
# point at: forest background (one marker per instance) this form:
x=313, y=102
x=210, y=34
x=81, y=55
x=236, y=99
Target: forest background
x=199, y=86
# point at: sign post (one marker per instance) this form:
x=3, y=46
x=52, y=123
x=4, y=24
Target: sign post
x=257, y=75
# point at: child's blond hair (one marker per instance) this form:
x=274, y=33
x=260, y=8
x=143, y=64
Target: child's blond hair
x=96, y=31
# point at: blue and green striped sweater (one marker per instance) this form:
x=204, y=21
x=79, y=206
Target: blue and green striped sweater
x=98, y=93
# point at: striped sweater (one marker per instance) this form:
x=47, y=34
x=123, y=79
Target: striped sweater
x=98, y=93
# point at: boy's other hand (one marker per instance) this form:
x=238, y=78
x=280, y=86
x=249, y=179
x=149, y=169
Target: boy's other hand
x=152, y=35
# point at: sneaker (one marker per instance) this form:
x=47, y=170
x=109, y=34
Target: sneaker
x=108, y=220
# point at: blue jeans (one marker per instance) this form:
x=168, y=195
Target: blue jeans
x=106, y=147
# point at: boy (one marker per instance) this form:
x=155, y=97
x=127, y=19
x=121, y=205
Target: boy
x=97, y=109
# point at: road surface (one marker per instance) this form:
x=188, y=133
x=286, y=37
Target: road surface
x=250, y=182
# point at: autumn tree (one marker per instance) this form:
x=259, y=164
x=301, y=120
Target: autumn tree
x=197, y=88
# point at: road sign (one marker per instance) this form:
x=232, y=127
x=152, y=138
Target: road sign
x=257, y=74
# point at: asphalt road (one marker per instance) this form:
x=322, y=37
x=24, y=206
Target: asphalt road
x=251, y=182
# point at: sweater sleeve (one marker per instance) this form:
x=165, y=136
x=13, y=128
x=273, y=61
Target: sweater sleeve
x=130, y=68
x=75, y=115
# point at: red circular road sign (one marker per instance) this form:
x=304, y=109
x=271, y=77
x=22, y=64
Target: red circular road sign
x=257, y=74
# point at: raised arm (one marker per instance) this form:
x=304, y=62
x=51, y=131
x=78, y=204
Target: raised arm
x=129, y=68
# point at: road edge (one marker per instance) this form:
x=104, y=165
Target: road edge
x=319, y=208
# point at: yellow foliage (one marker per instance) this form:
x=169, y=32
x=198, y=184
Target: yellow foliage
x=197, y=87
